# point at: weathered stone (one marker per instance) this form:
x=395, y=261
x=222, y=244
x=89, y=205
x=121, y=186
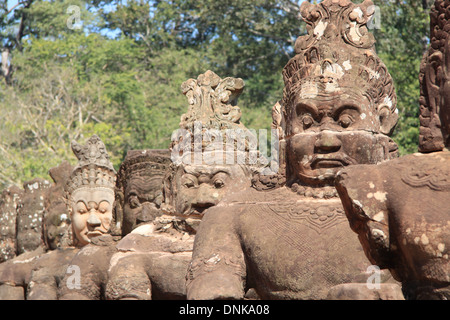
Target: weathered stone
x=30, y=214
x=18, y=272
x=8, y=292
x=290, y=239
x=9, y=202
x=89, y=185
x=48, y=272
x=57, y=225
x=399, y=209
x=90, y=193
x=91, y=263
x=153, y=259
x=434, y=85
x=15, y=274
x=139, y=188
x=360, y=291
x=149, y=266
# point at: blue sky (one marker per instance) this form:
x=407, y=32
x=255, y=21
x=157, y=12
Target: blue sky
x=109, y=33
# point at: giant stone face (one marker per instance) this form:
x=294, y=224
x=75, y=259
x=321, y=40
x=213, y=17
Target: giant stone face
x=91, y=213
x=142, y=196
x=331, y=128
x=202, y=186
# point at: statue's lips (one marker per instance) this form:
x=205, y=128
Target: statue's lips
x=94, y=233
x=324, y=162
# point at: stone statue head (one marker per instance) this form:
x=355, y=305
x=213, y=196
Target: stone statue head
x=139, y=186
x=434, y=83
x=339, y=103
x=191, y=189
x=90, y=191
x=57, y=224
x=9, y=202
x=205, y=167
x=30, y=214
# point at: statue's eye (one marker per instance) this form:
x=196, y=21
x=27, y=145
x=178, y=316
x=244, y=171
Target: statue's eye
x=307, y=121
x=345, y=120
x=189, y=181
x=189, y=184
x=103, y=207
x=219, y=180
x=81, y=208
x=219, y=183
x=133, y=201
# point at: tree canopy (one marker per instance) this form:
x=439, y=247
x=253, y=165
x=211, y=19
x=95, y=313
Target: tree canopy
x=71, y=68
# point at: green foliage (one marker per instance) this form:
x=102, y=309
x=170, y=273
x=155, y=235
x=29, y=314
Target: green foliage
x=120, y=75
x=401, y=43
x=49, y=19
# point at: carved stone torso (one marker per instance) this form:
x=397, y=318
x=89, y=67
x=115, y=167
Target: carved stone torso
x=57, y=231
x=30, y=214
x=151, y=262
x=93, y=263
x=294, y=247
x=9, y=200
x=403, y=217
x=47, y=273
x=165, y=234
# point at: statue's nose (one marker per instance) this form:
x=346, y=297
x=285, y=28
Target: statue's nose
x=327, y=142
x=93, y=220
x=148, y=213
x=205, y=197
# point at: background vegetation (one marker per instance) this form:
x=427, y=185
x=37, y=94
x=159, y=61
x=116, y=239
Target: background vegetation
x=119, y=74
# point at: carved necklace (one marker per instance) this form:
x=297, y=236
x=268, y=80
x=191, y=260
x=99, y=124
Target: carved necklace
x=326, y=192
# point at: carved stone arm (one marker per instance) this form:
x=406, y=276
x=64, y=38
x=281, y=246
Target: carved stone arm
x=365, y=202
x=217, y=269
x=88, y=273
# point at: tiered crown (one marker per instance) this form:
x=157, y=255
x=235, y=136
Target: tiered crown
x=212, y=120
x=143, y=163
x=94, y=169
x=338, y=52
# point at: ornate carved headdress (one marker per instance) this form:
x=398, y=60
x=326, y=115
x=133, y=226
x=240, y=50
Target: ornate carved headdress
x=212, y=101
x=338, y=52
x=94, y=168
x=143, y=164
x=434, y=120
x=212, y=117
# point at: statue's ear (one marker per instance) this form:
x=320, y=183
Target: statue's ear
x=446, y=59
x=168, y=191
x=388, y=119
x=116, y=223
x=444, y=111
x=436, y=69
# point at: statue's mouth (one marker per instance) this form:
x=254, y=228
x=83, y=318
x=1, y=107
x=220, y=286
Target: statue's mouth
x=328, y=161
x=94, y=233
x=199, y=211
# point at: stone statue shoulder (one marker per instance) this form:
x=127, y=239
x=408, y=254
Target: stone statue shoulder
x=105, y=240
x=252, y=195
x=156, y=238
x=426, y=170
